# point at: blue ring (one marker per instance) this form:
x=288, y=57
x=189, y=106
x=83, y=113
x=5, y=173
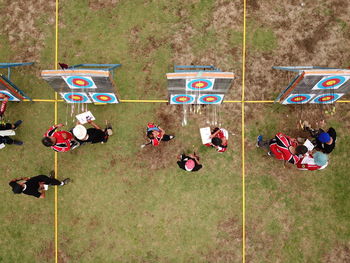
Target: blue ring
x=308, y=97
x=103, y=94
x=8, y=94
x=85, y=97
x=182, y=95
x=210, y=84
x=341, y=78
x=317, y=99
x=71, y=78
x=201, y=99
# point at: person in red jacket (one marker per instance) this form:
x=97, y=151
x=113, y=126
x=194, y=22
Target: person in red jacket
x=219, y=138
x=313, y=162
x=156, y=134
x=283, y=147
x=60, y=141
x=3, y=106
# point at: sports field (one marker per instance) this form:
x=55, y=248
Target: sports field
x=127, y=204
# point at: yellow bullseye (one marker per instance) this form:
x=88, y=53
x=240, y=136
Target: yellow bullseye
x=183, y=99
x=76, y=97
x=326, y=98
x=331, y=82
x=104, y=98
x=200, y=84
x=79, y=82
x=210, y=99
x=298, y=98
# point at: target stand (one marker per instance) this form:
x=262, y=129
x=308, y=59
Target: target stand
x=315, y=85
x=7, y=87
x=84, y=83
x=198, y=85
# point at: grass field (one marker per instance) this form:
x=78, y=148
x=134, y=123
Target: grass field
x=131, y=205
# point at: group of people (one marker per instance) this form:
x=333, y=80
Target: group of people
x=293, y=151
x=60, y=141
x=189, y=162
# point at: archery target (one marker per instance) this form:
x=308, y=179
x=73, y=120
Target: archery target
x=79, y=82
x=327, y=98
x=182, y=99
x=104, y=97
x=8, y=94
x=298, y=98
x=75, y=97
x=333, y=82
x=210, y=99
x=200, y=84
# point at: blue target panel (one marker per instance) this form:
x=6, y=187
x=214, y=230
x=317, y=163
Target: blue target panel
x=8, y=94
x=333, y=82
x=327, y=98
x=210, y=99
x=103, y=97
x=182, y=99
x=75, y=97
x=298, y=98
x=200, y=84
x=80, y=82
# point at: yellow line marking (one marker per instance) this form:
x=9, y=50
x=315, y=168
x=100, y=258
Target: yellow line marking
x=56, y=159
x=243, y=127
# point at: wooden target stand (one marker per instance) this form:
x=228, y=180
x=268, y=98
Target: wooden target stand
x=315, y=85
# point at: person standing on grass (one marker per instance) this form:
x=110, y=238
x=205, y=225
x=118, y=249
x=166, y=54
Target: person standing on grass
x=324, y=141
x=189, y=162
x=92, y=135
x=59, y=141
x=156, y=134
x=37, y=185
x=6, y=130
x=283, y=147
x=219, y=138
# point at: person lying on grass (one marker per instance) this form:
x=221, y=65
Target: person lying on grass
x=91, y=135
x=59, y=141
x=156, y=134
x=219, y=138
x=283, y=147
x=189, y=162
x=37, y=185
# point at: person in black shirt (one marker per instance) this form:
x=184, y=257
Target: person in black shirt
x=7, y=129
x=91, y=135
x=189, y=162
x=35, y=186
x=325, y=141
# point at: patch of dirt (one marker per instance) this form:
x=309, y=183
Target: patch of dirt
x=339, y=254
x=48, y=254
x=99, y=4
x=228, y=237
x=24, y=35
x=308, y=34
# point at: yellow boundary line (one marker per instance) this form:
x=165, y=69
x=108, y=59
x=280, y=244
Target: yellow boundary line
x=243, y=127
x=56, y=157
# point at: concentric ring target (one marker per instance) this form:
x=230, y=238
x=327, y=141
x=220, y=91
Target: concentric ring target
x=75, y=97
x=104, y=97
x=8, y=94
x=210, y=99
x=200, y=84
x=298, y=98
x=79, y=82
x=327, y=98
x=333, y=82
x=182, y=99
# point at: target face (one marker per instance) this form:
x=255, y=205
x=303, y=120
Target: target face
x=8, y=94
x=327, y=98
x=200, y=84
x=182, y=99
x=75, y=97
x=78, y=82
x=333, y=82
x=104, y=97
x=298, y=98
x=210, y=99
